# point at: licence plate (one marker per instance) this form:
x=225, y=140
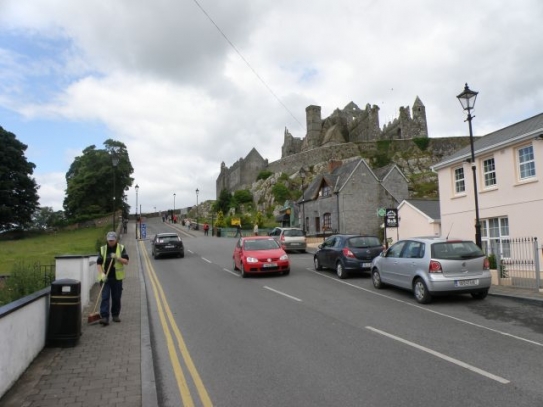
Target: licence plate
x=465, y=283
x=269, y=265
x=366, y=265
x=169, y=246
x=295, y=244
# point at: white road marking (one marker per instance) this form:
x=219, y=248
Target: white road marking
x=204, y=259
x=411, y=304
x=442, y=356
x=232, y=272
x=282, y=293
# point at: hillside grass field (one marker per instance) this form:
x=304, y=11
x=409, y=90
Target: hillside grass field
x=43, y=248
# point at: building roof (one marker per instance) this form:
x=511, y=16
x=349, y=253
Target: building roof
x=523, y=130
x=428, y=207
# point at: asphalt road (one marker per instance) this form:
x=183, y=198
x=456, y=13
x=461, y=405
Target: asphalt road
x=309, y=339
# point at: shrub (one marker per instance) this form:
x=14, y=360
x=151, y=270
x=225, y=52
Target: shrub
x=264, y=175
x=422, y=142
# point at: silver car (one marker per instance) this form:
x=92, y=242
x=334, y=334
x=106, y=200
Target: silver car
x=290, y=239
x=433, y=266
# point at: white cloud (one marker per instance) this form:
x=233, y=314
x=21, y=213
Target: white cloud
x=162, y=79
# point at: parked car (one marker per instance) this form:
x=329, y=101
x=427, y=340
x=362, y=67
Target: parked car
x=167, y=244
x=433, y=266
x=259, y=255
x=290, y=239
x=347, y=253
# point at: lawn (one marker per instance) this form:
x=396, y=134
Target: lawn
x=43, y=249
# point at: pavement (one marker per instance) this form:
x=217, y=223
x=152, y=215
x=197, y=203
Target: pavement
x=113, y=366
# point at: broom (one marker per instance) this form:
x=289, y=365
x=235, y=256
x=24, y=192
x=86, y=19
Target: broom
x=95, y=316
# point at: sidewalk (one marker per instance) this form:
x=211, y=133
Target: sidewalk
x=109, y=366
x=95, y=373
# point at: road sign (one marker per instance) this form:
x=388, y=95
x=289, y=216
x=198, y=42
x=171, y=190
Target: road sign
x=143, y=231
x=391, y=219
x=381, y=212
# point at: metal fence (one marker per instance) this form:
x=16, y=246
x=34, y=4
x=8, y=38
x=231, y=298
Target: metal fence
x=517, y=261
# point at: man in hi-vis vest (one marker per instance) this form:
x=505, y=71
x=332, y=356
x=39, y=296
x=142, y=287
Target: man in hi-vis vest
x=111, y=262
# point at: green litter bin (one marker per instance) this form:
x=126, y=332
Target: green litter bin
x=64, y=328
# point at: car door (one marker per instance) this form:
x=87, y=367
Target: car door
x=390, y=264
x=237, y=254
x=409, y=262
x=326, y=252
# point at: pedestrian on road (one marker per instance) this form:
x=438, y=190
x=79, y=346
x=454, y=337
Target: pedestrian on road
x=238, y=230
x=206, y=229
x=112, y=257
x=255, y=229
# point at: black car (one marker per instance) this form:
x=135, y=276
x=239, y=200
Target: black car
x=167, y=244
x=347, y=253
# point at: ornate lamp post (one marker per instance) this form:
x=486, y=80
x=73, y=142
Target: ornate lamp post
x=197, y=224
x=137, y=219
x=302, y=176
x=467, y=100
x=115, y=162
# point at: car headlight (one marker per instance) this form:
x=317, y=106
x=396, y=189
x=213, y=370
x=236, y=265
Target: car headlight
x=252, y=260
x=284, y=257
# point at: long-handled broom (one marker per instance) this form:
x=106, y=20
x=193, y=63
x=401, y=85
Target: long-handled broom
x=95, y=316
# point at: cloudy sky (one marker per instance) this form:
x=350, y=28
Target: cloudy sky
x=188, y=84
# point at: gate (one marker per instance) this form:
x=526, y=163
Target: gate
x=518, y=262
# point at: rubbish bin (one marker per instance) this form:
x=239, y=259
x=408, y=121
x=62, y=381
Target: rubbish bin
x=218, y=232
x=64, y=327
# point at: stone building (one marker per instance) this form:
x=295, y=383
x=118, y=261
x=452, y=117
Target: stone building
x=346, y=199
x=336, y=136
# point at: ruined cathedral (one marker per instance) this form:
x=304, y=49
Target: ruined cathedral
x=345, y=127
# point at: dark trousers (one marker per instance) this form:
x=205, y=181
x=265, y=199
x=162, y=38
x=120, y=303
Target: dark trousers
x=113, y=289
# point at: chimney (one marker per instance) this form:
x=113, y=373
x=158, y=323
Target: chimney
x=333, y=164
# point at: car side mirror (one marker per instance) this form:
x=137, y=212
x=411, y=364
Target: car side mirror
x=320, y=246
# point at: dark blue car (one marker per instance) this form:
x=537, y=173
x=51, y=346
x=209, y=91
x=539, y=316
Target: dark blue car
x=347, y=254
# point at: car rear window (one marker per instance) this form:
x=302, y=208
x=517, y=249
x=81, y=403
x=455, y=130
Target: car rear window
x=457, y=250
x=294, y=232
x=167, y=239
x=365, y=241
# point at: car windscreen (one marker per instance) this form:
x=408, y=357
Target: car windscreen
x=363, y=241
x=293, y=232
x=456, y=250
x=260, y=244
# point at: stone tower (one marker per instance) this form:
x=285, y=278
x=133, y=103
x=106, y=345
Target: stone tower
x=314, y=127
x=420, y=126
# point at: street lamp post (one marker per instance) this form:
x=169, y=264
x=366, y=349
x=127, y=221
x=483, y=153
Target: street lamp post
x=467, y=100
x=173, y=213
x=197, y=224
x=137, y=219
x=302, y=176
x=115, y=162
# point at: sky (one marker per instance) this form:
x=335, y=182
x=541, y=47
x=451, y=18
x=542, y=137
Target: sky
x=189, y=84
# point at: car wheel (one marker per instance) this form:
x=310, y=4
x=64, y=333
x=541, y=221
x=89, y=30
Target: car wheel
x=376, y=279
x=318, y=265
x=154, y=255
x=182, y=255
x=480, y=295
x=340, y=270
x=234, y=264
x=286, y=273
x=242, y=270
x=421, y=291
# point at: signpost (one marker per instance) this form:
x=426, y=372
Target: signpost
x=391, y=220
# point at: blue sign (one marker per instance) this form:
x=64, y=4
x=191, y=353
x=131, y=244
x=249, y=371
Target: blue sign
x=143, y=230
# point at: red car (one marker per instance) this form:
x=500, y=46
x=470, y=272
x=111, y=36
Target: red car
x=260, y=255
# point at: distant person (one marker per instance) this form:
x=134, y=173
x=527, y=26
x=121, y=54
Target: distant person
x=206, y=229
x=111, y=262
x=255, y=229
x=238, y=230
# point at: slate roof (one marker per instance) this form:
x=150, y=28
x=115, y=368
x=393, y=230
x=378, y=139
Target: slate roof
x=429, y=207
x=524, y=130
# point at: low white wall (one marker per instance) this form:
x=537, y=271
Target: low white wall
x=23, y=332
x=80, y=268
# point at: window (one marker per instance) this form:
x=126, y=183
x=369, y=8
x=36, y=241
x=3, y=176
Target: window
x=327, y=221
x=325, y=190
x=459, y=181
x=495, y=236
x=489, y=172
x=526, y=162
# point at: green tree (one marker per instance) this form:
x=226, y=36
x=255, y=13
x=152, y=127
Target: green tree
x=92, y=179
x=18, y=191
x=223, y=203
x=46, y=218
x=280, y=192
x=220, y=220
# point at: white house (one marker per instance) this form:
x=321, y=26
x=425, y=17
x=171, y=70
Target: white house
x=416, y=217
x=508, y=167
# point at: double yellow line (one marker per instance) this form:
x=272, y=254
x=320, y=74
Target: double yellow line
x=167, y=320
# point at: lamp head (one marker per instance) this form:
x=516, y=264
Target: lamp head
x=467, y=98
